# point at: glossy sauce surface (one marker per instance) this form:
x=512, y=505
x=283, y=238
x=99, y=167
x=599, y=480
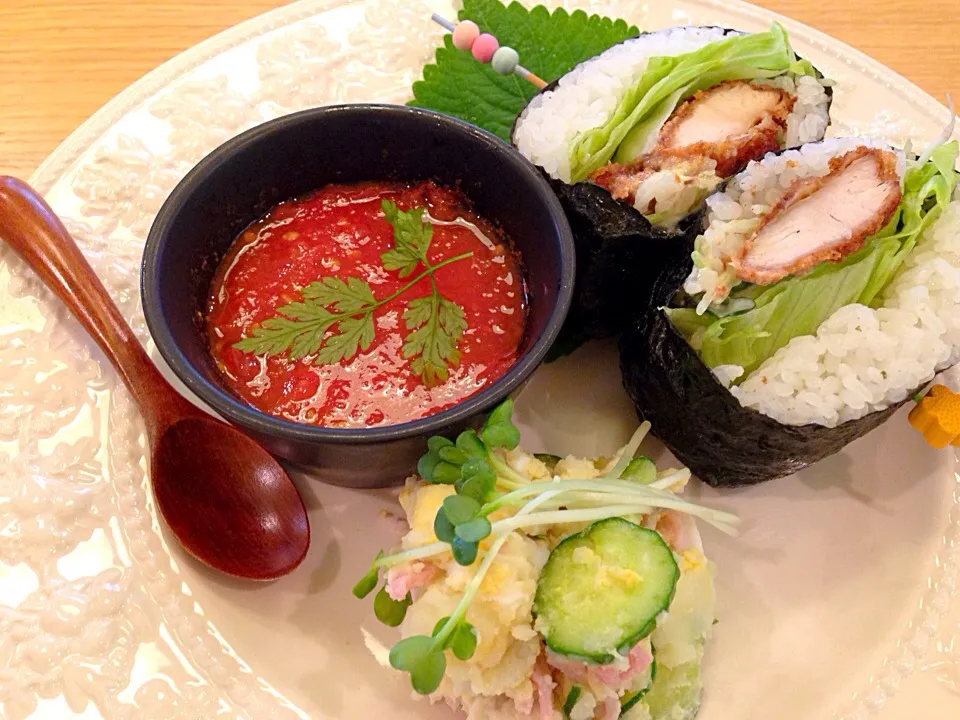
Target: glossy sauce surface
x=340, y=231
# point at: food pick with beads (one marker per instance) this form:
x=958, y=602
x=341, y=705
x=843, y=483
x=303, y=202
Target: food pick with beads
x=486, y=48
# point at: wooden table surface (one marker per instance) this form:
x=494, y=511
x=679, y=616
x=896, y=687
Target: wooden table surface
x=60, y=60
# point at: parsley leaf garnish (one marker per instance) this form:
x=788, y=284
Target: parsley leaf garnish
x=437, y=325
x=411, y=238
x=347, y=297
x=334, y=321
x=549, y=44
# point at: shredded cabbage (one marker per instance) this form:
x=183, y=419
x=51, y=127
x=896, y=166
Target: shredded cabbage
x=798, y=305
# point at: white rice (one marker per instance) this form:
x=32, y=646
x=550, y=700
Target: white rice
x=588, y=95
x=808, y=120
x=734, y=213
x=674, y=192
x=862, y=360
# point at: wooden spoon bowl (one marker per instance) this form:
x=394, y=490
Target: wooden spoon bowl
x=226, y=500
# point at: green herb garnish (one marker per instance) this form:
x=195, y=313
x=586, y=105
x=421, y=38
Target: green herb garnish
x=478, y=468
x=571, y=701
x=389, y=611
x=627, y=702
x=549, y=44
x=334, y=321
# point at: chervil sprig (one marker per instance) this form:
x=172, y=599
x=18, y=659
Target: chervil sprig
x=335, y=319
x=476, y=465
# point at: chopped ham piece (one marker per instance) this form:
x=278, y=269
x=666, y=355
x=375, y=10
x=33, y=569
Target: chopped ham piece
x=639, y=660
x=544, y=683
x=670, y=525
x=823, y=219
x=609, y=709
x=401, y=579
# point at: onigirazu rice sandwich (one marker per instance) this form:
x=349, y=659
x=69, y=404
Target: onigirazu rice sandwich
x=659, y=120
x=823, y=291
x=635, y=138
x=540, y=587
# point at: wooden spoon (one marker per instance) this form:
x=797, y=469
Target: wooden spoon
x=226, y=500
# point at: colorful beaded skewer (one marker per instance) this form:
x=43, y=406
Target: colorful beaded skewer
x=486, y=48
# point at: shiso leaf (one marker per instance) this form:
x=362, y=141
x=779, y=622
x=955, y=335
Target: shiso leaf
x=549, y=45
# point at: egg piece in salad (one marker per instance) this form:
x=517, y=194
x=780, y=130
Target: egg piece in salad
x=546, y=588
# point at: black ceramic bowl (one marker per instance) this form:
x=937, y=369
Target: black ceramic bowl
x=290, y=156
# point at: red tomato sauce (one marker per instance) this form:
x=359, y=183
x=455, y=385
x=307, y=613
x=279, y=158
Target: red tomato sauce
x=340, y=231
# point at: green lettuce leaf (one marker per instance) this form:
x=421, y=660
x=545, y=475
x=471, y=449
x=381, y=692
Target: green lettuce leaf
x=643, y=136
x=549, y=45
x=667, y=80
x=799, y=305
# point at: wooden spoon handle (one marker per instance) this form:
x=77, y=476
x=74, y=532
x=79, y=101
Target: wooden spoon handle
x=33, y=230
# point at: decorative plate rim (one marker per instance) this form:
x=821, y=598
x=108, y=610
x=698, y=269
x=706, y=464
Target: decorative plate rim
x=70, y=149
x=921, y=631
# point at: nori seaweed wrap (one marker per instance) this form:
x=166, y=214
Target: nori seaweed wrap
x=634, y=139
x=619, y=256
x=818, y=299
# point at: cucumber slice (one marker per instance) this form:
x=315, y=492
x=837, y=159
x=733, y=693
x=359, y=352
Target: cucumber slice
x=642, y=470
x=603, y=588
x=571, y=701
x=632, y=698
x=675, y=693
x=549, y=460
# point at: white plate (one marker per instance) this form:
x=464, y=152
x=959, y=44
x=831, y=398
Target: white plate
x=835, y=602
